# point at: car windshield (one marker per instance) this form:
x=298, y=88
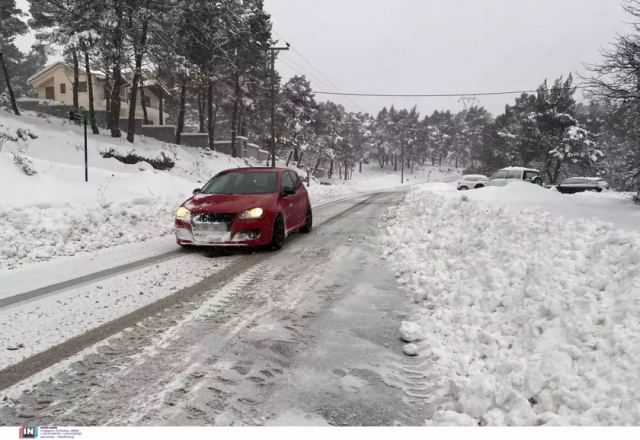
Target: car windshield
x=242, y=183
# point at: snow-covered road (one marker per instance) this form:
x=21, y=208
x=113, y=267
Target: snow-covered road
x=307, y=335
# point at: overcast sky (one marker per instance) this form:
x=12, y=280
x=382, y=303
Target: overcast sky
x=441, y=46
x=438, y=46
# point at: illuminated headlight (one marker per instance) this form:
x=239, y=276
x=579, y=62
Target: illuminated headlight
x=251, y=214
x=183, y=214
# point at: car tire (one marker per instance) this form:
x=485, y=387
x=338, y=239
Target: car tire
x=599, y=190
x=278, y=235
x=463, y=188
x=479, y=186
x=308, y=222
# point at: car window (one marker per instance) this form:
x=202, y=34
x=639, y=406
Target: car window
x=296, y=180
x=514, y=174
x=530, y=175
x=287, y=182
x=241, y=183
x=499, y=175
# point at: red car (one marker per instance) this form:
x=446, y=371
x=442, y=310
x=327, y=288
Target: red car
x=245, y=207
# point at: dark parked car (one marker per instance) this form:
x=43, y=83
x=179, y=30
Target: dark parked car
x=580, y=184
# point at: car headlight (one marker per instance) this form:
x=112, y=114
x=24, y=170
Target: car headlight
x=183, y=214
x=251, y=214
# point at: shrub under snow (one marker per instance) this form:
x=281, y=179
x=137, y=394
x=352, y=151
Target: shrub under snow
x=526, y=318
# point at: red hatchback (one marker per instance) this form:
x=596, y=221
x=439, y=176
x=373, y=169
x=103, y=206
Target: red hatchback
x=245, y=207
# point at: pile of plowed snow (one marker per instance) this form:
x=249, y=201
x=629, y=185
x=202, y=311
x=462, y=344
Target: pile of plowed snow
x=526, y=317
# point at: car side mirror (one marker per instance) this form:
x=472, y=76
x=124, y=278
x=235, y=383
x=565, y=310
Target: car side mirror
x=196, y=191
x=288, y=192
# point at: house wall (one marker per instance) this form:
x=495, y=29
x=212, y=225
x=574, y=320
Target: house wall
x=64, y=75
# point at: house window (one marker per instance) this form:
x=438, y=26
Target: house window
x=82, y=87
x=63, y=88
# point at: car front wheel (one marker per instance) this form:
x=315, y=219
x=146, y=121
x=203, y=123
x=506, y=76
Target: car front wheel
x=278, y=234
x=463, y=188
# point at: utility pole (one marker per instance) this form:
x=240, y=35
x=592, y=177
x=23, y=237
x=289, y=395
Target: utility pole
x=86, y=154
x=273, y=51
x=402, y=166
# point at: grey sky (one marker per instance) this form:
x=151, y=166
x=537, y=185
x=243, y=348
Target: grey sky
x=439, y=46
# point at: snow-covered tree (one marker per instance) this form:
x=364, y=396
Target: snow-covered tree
x=11, y=25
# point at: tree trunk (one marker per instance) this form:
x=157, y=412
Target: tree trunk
x=330, y=168
x=360, y=168
x=289, y=159
x=315, y=169
x=137, y=75
x=234, y=114
x=395, y=163
x=76, y=78
x=92, y=110
x=183, y=98
x=114, y=120
x=117, y=49
x=210, y=115
x=107, y=97
x=143, y=102
x=300, y=159
x=201, y=110
x=346, y=171
x=7, y=80
x=339, y=170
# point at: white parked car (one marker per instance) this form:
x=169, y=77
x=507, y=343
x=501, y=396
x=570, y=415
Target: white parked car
x=472, y=181
x=512, y=174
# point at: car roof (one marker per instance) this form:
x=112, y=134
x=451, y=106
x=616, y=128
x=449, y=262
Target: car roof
x=474, y=175
x=256, y=170
x=519, y=169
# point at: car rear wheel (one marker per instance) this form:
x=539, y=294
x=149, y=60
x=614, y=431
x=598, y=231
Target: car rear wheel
x=278, y=234
x=308, y=223
x=463, y=188
x=479, y=186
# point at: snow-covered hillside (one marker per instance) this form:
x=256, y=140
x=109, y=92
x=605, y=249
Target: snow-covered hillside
x=54, y=212
x=525, y=317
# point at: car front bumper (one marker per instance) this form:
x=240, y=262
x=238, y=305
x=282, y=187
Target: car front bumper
x=243, y=233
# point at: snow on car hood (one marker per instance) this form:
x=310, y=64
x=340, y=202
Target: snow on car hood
x=227, y=203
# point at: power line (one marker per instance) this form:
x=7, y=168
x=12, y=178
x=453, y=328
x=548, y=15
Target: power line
x=322, y=76
x=438, y=95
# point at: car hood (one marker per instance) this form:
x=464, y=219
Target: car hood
x=227, y=203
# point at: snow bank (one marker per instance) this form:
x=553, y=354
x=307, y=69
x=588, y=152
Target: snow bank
x=526, y=318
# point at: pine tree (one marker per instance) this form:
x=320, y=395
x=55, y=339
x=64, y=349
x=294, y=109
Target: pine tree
x=11, y=26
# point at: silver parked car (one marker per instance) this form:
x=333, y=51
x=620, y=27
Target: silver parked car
x=472, y=181
x=580, y=184
x=512, y=174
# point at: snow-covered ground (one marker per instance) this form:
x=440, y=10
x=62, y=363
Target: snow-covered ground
x=55, y=213
x=529, y=303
